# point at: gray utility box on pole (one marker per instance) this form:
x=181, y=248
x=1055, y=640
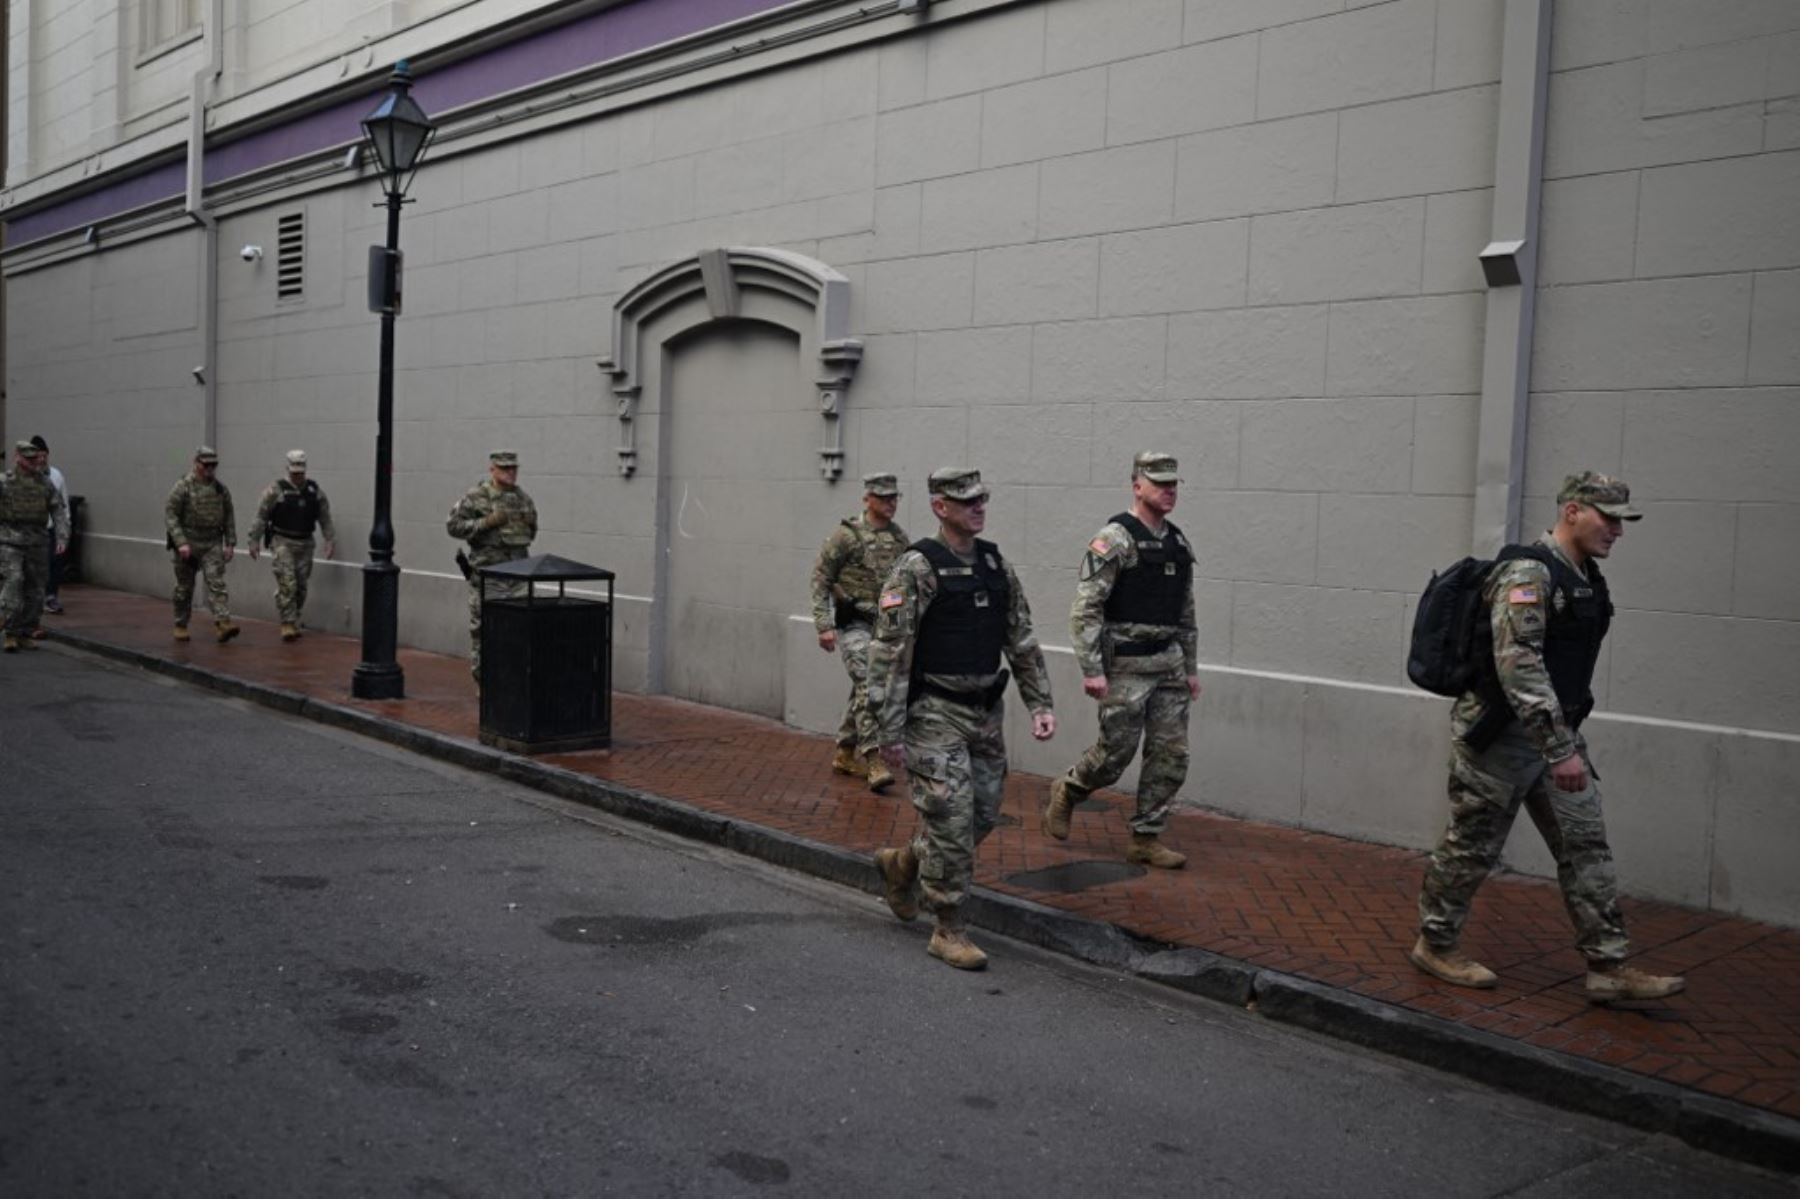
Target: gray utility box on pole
x=546, y=661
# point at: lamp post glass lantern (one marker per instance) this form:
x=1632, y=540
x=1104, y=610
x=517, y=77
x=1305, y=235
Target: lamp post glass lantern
x=398, y=132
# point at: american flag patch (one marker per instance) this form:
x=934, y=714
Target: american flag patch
x=892, y=599
x=1099, y=546
x=1522, y=595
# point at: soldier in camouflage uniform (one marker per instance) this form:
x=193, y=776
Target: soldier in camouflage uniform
x=202, y=532
x=1515, y=739
x=949, y=610
x=286, y=515
x=499, y=521
x=29, y=505
x=846, y=580
x=1133, y=631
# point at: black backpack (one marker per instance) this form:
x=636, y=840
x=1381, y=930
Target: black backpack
x=1452, y=648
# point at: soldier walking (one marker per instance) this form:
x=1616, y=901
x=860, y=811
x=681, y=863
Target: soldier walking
x=1516, y=739
x=499, y=522
x=31, y=514
x=1133, y=631
x=949, y=610
x=286, y=515
x=846, y=580
x=202, y=532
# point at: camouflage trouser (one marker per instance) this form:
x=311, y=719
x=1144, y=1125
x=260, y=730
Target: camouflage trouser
x=1148, y=707
x=495, y=590
x=208, y=561
x=1486, y=790
x=292, y=558
x=858, y=729
x=956, y=757
x=22, y=572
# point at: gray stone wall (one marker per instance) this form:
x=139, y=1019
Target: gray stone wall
x=1244, y=232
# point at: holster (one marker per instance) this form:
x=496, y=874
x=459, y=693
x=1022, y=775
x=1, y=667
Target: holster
x=462, y=564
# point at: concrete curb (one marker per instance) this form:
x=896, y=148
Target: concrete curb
x=1716, y=1125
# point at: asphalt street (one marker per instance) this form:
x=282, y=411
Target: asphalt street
x=241, y=954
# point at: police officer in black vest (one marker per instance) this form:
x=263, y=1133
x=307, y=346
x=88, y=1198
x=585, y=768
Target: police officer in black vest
x=1515, y=740
x=290, y=511
x=1133, y=630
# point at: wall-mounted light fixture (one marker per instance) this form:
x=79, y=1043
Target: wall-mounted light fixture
x=251, y=253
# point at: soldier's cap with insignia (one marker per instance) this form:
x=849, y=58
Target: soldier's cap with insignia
x=206, y=454
x=1601, y=492
x=504, y=457
x=957, y=483
x=883, y=485
x=296, y=458
x=1156, y=466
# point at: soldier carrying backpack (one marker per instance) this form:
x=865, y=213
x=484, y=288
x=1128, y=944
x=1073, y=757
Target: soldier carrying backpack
x=1516, y=641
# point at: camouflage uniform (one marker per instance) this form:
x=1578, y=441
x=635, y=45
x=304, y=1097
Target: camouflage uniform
x=955, y=751
x=1147, y=695
x=29, y=504
x=1488, y=785
x=198, y=514
x=846, y=580
x=291, y=556
x=504, y=539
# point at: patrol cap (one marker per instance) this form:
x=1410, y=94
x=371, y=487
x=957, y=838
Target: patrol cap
x=25, y=447
x=296, y=458
x=957, y=483
x=1156, y=466
x=504, y=457
x=206, y=454
x=1600, y=492
x=881, y=485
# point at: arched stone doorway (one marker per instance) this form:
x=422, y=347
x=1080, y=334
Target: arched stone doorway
x=729, y=372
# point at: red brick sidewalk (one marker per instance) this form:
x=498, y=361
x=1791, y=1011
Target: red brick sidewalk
x=1336, y=911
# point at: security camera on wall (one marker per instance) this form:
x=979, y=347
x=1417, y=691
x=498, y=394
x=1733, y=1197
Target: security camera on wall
x=251, y=253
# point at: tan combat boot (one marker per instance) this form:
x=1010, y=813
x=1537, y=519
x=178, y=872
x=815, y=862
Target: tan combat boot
x=1055, y=822
x=899, y=869
x=224, y=630
x=1451, y=965
x=10, y=644
x=951, y=945
x=1615, y=981
x=846, y=761
x=290, y=633
x=181, y=633
x=880, y=777
x=1147, y=849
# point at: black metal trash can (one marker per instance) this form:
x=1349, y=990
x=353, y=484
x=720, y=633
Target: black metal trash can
x=546, y=661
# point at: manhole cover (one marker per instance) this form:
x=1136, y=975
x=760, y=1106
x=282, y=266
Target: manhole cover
x=1076, y=876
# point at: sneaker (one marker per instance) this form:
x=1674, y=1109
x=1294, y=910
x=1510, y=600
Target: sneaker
x=1151, y=852
x=951, y=945
x=1451, y=965
x=1617, y=982
x=53, y=606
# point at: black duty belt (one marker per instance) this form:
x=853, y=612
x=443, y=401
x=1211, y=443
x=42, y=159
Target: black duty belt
x=984, y=699
x=289, y=533
x=1141, y=649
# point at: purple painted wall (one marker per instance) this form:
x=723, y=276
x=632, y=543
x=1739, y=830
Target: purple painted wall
x=594, y=39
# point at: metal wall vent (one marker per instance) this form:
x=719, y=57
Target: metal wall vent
x=290, y=257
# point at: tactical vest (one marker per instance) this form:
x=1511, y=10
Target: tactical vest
x=515, y=533
x=1155, y=590
x=862, y=574
x=1581, y=611
x=296, y=513
x=204, y=516
x=964, y=629
x=28, y=501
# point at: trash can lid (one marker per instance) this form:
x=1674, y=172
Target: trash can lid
x=546, y=568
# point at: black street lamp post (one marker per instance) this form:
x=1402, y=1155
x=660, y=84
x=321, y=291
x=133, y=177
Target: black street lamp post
x=398, y=132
